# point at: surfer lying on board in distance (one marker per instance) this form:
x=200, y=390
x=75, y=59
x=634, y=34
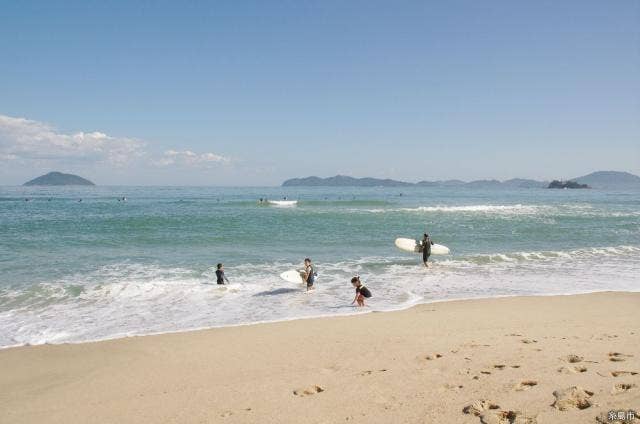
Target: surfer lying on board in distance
x=220, y=277
x=426, y=248
x=309, y=275
x=361, y=291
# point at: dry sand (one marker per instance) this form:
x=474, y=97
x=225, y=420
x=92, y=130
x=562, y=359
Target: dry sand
x=561, y=359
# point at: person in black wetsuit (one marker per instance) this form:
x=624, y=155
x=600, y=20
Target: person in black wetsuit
x=309, y=275
x=220, y=277
x=426, y=248
x=361, y=291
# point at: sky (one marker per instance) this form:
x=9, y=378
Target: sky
x=254, y=92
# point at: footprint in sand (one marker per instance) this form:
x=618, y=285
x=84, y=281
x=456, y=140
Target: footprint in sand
x=454, y=387
x=515, y=366
x=369, y=372
x=500, y=366
x=480, y=406
x=526, y=385
x=432, y=357
x=573, y=359
x=619, y=373
x=490, y=413
x=572, y=370
x=623, y=388
x=618, y=357
x=485, y=372
x=507, y=417
x=311, y=390
x=606, y=336
x=528, y=341
x=574, y=397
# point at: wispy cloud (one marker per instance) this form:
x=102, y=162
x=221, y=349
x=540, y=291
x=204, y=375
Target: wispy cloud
x=26, y=139
x=189, y=158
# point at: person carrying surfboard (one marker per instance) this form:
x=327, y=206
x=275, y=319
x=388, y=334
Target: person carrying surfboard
x=220, y=277
x=426, y=248
x=361, y=291
x=309, y=274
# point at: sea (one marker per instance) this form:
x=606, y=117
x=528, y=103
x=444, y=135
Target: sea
x=81, y=264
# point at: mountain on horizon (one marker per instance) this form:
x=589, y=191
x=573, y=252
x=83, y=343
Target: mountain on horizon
x=344, y=181
x=597, y=180
x=58, y=179
x=609, y=180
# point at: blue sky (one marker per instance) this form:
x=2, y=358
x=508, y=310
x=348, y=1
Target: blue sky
x=252, y=93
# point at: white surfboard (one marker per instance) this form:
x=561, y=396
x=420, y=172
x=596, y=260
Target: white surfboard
x=292, y=276
x=283, y=202
x=411, y=245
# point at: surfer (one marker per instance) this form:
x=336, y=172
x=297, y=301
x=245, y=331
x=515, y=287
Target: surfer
x=361, y=291
x=220, y=277
x=309, y=275
x=426, y=248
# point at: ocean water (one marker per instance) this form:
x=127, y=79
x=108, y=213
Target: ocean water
x=74, y=271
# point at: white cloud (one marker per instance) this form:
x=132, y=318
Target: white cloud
x=32, y=140
x=189, y=158
x=24, y=141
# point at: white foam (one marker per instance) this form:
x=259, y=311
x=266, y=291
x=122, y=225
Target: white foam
x=477, y=208
x=543, y=211
x=134, y=299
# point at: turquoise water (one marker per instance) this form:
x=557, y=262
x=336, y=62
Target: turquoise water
x=73, y=271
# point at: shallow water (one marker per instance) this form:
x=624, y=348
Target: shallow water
x=73, y=271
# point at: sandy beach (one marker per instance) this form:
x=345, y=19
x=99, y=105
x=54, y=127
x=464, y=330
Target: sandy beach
x=560, y=359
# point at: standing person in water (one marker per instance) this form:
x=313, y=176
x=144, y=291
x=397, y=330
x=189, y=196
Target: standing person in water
x=309, y=274
x=220, y=277
x=361, y=291
x=426, y=248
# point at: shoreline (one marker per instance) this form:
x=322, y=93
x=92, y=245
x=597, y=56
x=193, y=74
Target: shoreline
x=311, y=317
x=422, y=364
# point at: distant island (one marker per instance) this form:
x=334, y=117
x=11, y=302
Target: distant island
x=346, y=181
x=566, y=184
x=598, y=180
x=58, y=179
x=610, y=180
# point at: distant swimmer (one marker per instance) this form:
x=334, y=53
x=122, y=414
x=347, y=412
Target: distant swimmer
x=425, y=247
x=309, y=275
x=220, y=277
x=361, y=291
